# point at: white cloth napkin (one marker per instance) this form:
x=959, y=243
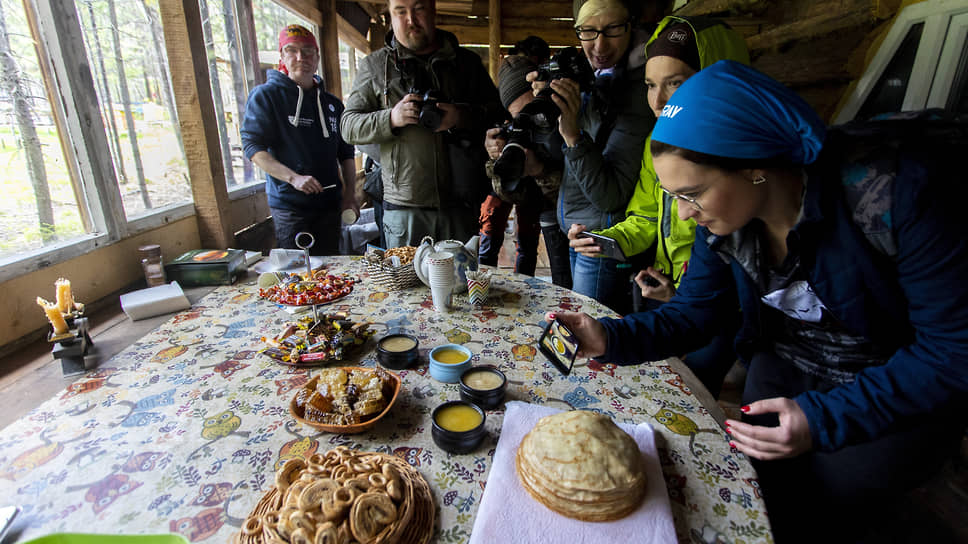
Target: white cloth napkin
x=509, y=514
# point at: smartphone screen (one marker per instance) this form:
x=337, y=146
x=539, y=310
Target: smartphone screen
x=559, y=345
x=609, y=246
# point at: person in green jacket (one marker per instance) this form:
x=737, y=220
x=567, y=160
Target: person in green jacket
x=679, y=47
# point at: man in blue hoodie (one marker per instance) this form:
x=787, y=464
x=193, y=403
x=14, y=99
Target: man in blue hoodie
x=291, y=131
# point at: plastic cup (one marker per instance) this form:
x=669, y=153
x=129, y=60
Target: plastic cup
x=442, y=296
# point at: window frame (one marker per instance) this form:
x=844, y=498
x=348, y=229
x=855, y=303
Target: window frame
x=933, y=72
x=60, y=46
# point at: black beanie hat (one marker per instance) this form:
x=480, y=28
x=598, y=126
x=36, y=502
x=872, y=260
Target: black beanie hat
x=510, y=78
x=678, y=41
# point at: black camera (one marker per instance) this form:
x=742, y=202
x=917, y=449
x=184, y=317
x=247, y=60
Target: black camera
x=539, y=118
x=509, y=167
x=431, y=116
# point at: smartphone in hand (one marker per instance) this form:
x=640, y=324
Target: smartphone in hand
x=559, y=345
x=610, y=247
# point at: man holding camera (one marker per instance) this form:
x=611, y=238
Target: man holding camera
x=427, y=102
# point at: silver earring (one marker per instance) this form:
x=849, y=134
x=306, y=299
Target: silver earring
x=758, y=180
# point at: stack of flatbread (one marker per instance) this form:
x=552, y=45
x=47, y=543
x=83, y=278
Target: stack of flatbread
x=583, y=466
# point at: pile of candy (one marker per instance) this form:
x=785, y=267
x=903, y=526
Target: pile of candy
x=311, y=342
x=294, y=290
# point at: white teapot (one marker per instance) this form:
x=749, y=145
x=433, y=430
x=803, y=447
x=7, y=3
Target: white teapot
x=465, y=258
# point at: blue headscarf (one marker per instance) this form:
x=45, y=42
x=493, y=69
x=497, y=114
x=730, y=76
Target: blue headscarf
x=732, y=110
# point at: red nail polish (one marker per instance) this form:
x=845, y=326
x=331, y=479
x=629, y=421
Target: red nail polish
x=551, y=316
x=745, y=408
x=728, y=430
x=732, y=445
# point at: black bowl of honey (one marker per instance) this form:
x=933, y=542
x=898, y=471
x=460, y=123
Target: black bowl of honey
x=483, y=385
x=397, y=351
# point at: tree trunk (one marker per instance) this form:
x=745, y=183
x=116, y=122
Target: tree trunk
x=115, y=138
x=161, y=61
x=238, y=80
x=12, y=83
x=126, y=101
x=216, y=92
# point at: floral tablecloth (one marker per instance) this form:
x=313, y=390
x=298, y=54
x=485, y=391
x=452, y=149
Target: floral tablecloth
x=183, y=430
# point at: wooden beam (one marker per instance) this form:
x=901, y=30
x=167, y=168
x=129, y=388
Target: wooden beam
x=709, y=7
x=182, y=25
x=819, y=25
x=308, y=9
x=377, y=34
x=545, y=9
x=476, y=31
x=249, y=44
x=76, y=102
x=329, y=46
x=494, y=37
x=350, y=35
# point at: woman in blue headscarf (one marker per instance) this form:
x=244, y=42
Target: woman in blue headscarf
x=848, y=259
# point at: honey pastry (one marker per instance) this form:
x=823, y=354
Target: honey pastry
x=316, y=493
x=252, y=526
x=289, y=472
x=300, y=536
x=377, y=480
x=360, y=484
x=395, y=490
x=295, y=489
x=300, y=520
x=327, y=533
x=371, y=513
x=339, y=503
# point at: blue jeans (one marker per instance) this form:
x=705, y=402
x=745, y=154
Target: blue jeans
x=601, y=279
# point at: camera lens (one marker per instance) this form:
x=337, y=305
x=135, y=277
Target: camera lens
x=510, y=167
x=430, y=116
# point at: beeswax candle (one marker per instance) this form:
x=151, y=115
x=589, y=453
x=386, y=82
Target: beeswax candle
x=54, y=315
x=65, y=300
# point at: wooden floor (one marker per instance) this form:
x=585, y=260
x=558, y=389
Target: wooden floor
x=936, y=512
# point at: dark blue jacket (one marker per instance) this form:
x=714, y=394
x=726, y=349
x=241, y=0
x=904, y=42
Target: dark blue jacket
x=306, y=148
x=915, y=302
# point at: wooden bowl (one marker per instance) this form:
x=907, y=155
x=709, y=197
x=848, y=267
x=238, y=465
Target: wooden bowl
x=390, y=391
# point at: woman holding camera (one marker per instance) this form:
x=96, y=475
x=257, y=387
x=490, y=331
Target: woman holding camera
x=846, y=252
x=604, y=127
x=679, y=48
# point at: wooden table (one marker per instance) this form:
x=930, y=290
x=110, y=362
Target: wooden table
x=183, y=430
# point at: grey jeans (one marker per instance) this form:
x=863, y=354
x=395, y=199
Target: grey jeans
x=407, y=226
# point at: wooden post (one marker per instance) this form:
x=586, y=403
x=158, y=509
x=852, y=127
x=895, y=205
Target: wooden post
x=248, y=45
x=182, y=25
x=329, y=47
x=377, y=34
x=494, y=36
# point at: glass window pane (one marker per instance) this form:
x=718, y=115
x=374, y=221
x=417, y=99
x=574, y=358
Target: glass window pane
x=125, y=46
x=40, y=204
x=888, y=95
x=228, y=88
x=958, y=99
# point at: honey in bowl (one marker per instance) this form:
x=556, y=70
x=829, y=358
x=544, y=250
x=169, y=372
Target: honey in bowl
x=482, y=380
x=450, y=356
x=458, y=418
x=398, y=344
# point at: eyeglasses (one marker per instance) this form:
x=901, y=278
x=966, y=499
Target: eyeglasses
x=610, y=31
x=306, y=52
x=692, y=200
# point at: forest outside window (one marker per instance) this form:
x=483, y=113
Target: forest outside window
x=125, y=45
x=41, y=205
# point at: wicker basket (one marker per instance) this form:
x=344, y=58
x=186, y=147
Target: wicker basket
x=387, y=276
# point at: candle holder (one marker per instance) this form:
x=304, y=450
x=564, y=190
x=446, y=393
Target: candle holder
x=72, y=347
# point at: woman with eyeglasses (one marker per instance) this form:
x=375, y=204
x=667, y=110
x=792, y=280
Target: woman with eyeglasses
x=679, y=48
x=846, y=250
x=604, y=130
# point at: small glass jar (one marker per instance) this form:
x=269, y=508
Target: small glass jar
x=152, y=264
